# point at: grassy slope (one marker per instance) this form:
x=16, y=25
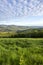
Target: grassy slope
x=21, y=51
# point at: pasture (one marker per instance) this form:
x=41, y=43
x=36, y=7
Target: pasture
x=21, y=51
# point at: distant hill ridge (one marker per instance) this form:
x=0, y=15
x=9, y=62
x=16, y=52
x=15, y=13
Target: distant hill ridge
x=14, y=28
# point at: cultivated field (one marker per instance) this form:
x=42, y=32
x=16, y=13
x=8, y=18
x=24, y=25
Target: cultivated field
x=21, y=51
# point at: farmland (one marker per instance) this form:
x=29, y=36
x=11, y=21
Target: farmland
x=12, y=31
x=21, y=51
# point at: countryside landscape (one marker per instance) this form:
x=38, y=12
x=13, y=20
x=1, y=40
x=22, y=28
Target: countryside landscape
x=21, y=32
x=21, y=46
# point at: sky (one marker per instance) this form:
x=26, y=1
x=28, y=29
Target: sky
x=21, y=12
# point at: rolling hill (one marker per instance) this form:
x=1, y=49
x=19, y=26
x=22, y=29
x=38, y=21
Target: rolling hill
x=14, y=28
x=13, y=31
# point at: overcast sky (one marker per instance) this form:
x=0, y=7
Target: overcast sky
x=21, y=12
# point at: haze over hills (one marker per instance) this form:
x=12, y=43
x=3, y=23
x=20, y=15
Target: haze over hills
x=14, y=28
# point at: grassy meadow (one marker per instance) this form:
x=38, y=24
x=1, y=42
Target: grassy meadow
x=21, y=51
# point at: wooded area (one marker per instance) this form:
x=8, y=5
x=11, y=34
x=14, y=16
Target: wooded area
x=29, y=33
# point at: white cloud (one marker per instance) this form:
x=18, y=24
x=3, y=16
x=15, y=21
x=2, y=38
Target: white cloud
x=21, y=8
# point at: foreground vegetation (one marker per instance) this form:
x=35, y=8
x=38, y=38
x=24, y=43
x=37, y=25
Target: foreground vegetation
x=24, y=51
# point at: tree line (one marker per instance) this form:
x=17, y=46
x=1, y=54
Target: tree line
x=23, y=34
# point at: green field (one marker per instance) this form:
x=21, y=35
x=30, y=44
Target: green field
x=21, y=51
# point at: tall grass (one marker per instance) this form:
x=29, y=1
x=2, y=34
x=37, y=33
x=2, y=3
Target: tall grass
x=21, y=51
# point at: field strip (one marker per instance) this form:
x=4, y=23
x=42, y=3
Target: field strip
x=22, y=38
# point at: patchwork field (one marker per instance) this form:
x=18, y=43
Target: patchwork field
x=21, y=51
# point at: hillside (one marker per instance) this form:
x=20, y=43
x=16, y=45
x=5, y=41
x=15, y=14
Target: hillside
x=13, y=31
x=14, y=28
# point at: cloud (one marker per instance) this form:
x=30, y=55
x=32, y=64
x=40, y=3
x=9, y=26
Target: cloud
x=15, y=8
